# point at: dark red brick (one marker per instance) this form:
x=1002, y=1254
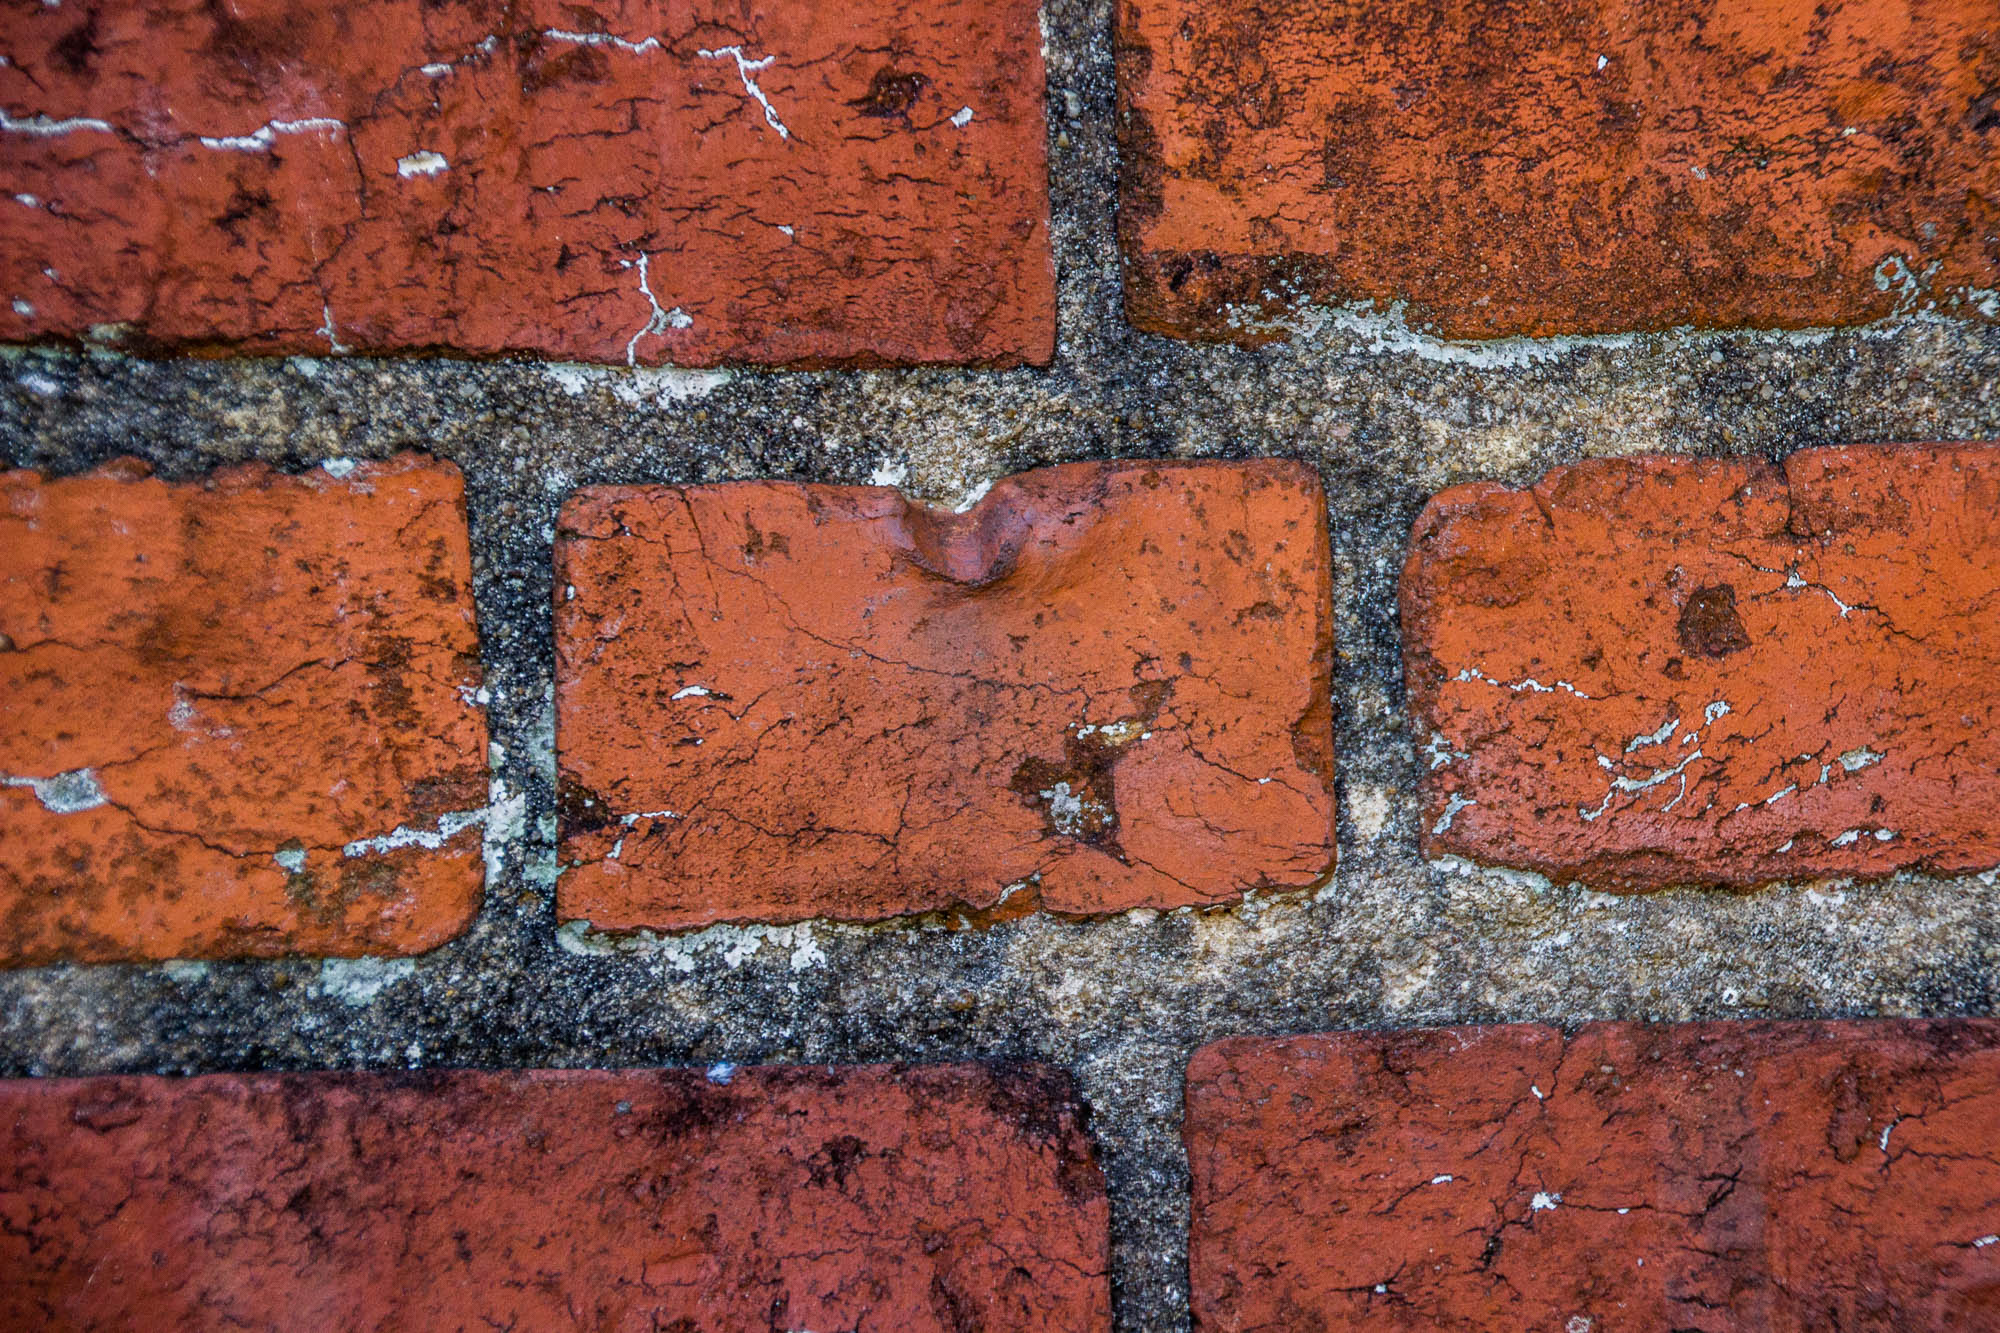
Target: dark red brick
x=1661, y=670
x=948, y=1197
x=1573, y=166
x=1705, y=1178
x=237, y=718
x=1106, y=685
x=623, y=180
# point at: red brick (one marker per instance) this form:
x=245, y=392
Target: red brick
x=233, y=713
x=867, y=1199
x=1574, y=166
x=792, y=183
x=1107, y=682
x=1706, y=1177
x=1812, y=649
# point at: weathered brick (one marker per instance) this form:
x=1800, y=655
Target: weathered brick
x=619, y=180
x=1105, y=686
x=863, y=1198
x=1705, y=1177
x=1668, y=670
x=237, y=718
x=1575, y=166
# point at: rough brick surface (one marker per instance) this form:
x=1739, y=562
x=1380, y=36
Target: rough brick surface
x=1107, y=686
x=237, y=718
x=611, y=181
x=1705, y=1178
x=869, y=1199
x=1574, y=166
x=1672, y=670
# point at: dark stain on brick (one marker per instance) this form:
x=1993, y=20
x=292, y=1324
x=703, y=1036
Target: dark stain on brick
x=1710, y=625
x=77, y=48
x=836, y=1162
x=892, y=94
x=756, y=544
x=579, y=809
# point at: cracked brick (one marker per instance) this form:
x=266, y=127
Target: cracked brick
x=628, y=181
x=238, y=717
x=860, y=1198
x=1700, y=1177
x=1582, y=166
x=1654, y=671
x=1104, y=686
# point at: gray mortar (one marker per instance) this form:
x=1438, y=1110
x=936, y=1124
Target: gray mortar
x=1122, y=1002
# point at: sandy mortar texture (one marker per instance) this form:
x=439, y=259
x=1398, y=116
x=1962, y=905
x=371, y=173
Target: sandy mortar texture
x=1385, y=415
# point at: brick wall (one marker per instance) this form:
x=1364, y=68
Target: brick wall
x=874, y=757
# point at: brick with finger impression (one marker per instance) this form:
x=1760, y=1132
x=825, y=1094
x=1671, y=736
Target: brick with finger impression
x=1104, y=686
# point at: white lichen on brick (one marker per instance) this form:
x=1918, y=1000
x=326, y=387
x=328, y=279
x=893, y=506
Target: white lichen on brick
x=264, y=136
x=66, y=793
x=1796, y=581
x=1621, y=783
x=1066, y=809
x=745, y=67
x=1663, y=732
x=1440, y=753
x=449, y=825
x=326, y=329
x=423, y=162
x=1122, y=732
x=661, y=320
x=1527, y=684
x=1859, y=758
x=44, y=127
x=603, y=39
x=1453, y=804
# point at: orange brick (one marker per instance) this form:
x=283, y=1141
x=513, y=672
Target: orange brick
x=1563, y=167
x=619, y=181
x=237, y=717
x=1655, y=671
x=1706, y=1177
x=939, y=1198
x=1106, y=686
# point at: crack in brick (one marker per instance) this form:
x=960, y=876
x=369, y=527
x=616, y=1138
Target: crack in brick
x=487, y=192
x=1775, y=1199
x=202, y=752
